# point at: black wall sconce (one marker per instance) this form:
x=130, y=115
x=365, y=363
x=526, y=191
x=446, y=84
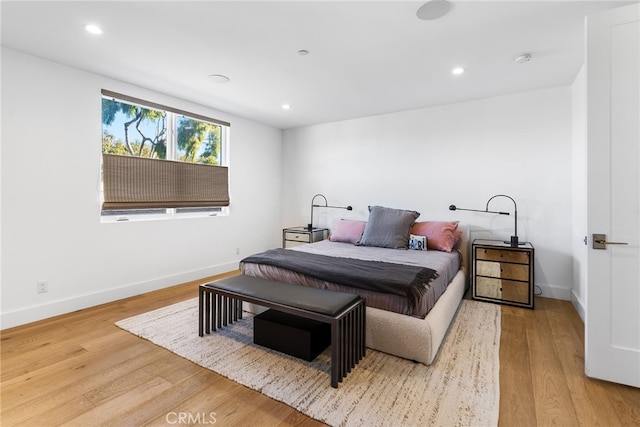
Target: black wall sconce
x=326, y=205
x=514, y=239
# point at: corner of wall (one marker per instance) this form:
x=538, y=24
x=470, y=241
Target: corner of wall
x=555, y=292
x=578, y=305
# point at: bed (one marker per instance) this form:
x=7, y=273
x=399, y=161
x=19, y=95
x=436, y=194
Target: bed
x=412, y=330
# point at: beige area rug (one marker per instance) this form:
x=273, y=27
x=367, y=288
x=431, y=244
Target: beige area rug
x=461, y=388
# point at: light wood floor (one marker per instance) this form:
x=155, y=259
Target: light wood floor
x=80, y=369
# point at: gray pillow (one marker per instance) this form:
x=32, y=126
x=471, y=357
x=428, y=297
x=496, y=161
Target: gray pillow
x=388, y=228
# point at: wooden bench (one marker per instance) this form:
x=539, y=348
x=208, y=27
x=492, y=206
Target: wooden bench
x=220, y=304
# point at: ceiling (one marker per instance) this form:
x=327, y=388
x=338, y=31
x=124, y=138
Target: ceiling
x=365, y=57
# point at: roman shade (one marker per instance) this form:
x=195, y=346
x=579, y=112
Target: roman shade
x=142, y=183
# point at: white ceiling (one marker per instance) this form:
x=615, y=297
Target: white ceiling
x=366, y=57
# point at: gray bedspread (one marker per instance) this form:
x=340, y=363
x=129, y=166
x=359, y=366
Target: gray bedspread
x=446, y=264
x=409, y=281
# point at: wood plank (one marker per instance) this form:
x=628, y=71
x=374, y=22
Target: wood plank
x=163, y=405
x=551, y=393
x=299, y=420
x=121, y=403
x=55, y=416
x=61, y=387
x=51, y=379
x=626, y=401
x=517, y=407
x=220, y=400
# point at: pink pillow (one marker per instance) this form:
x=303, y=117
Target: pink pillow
x=441, y=235
x=347, y=231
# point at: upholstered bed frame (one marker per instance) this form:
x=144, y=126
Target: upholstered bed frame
x=410, y=337
x=419, y=339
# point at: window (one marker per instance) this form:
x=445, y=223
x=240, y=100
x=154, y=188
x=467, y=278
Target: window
x=161, y=161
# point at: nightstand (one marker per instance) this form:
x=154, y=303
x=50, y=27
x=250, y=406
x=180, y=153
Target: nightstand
x=295, y=236
x=503, y=274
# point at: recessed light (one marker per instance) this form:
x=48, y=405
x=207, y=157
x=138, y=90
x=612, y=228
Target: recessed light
x=457, y=71
x=286, y=106
x=93, y=29
x=219, y=78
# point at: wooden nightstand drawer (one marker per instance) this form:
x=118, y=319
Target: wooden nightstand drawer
x=503, y=270
x=506, y=290
x=297, y=237
x=502, y=255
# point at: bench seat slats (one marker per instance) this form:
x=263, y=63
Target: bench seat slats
x=321, y=301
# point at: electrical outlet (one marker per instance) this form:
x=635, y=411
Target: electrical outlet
x=237, y=251
x=43, y=286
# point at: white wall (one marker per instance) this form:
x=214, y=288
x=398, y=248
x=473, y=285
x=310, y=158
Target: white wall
x=51, y=230
x=579, y=191
x=460, y=154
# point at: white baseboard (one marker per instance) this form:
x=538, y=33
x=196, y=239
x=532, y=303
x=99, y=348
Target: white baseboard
x=54, y=308
x=577, y=304
x=555, y=292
